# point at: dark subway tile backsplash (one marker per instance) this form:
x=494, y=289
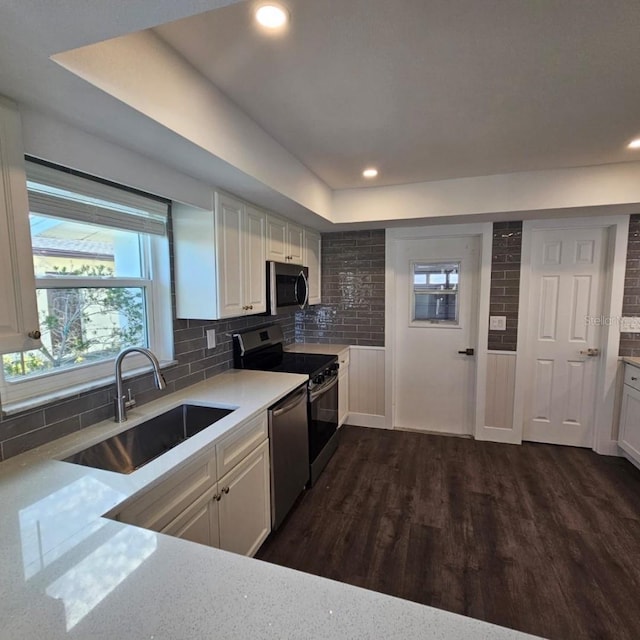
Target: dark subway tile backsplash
x=353, y=281
x=505, y=282
x=630, y=342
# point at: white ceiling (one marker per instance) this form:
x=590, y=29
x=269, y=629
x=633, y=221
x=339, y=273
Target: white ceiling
x=431, y=89
x=424, y=89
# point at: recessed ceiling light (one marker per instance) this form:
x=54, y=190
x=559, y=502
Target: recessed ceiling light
x=272, y=16
x=370, y=173
x=635, y=144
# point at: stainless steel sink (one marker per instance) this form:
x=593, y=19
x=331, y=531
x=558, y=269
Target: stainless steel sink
x=137, y=446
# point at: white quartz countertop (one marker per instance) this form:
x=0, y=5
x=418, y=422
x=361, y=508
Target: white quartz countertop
x=313, y=347
x=630, y=360
x=68, y=572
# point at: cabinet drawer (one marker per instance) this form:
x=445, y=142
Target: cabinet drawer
x=239, y=444
x=161, y=504
x=632, y=376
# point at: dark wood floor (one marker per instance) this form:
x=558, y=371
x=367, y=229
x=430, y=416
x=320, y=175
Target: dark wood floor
x=538, y=538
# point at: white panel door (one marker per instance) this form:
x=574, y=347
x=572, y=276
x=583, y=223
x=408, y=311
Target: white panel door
x=565, y=303
x=434, y=384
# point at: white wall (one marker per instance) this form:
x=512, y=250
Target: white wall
x=525, y=195
x=130, y=68
x=56, y=141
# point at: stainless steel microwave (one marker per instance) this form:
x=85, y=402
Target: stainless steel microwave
x=287, y=287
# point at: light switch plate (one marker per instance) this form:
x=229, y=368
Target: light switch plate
x=629, y=324
x=211, y=338
x=498, y=323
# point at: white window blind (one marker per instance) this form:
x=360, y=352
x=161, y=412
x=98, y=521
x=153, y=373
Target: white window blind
x=64, y=195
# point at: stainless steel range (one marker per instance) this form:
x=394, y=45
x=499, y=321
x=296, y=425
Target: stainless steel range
x=263, y=349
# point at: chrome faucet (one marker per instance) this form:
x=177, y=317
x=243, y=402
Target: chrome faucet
x=121, y=401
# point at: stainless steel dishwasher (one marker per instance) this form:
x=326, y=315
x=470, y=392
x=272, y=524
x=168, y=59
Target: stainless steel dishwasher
x=289, y=449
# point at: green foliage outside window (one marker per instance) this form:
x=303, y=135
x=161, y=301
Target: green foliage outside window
x=83, y=324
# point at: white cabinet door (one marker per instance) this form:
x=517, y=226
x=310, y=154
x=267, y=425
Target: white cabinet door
x=312, y=247
x=255, y=265
x=295, y=242
x=629, y=437
x=229, y=248
x=199, y=522
x=18, y=310
x=277, y=243
x=245, y=507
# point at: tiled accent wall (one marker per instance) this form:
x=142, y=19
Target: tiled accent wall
x=24, y=431
x=352, y=309
x=630, y=342
x=505, y=282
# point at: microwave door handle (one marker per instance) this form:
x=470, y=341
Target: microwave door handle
x=306, y=290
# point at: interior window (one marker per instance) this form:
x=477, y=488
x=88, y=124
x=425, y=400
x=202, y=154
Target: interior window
x=435, y=292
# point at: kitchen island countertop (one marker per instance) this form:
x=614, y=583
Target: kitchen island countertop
x=68, y=572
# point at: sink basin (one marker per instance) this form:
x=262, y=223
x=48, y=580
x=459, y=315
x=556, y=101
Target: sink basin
x=137, y=446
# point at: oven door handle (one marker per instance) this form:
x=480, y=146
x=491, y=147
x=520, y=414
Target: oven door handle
x=298, y=399
x=325, y=387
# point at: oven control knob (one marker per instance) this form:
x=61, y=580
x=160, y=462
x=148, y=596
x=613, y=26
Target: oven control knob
x=319, y=379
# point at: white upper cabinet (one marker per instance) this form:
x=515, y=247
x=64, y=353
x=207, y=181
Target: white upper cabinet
x=311, y=259
x=277, y=242
x=285, y=241
x=295, y=240
x=220, y=260
x=18, y=310
x=229, y=249
x=220, y=257
x=255, y=260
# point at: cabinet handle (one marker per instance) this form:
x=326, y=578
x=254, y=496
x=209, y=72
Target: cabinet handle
x=217, y=497
x=633, y=378
x=250, y=306
x=36, y=335
x=225, y=490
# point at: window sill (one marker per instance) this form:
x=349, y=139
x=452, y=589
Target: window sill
x=11, y=408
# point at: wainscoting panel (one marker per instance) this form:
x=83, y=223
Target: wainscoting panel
x=501, y=375
x=367, y=387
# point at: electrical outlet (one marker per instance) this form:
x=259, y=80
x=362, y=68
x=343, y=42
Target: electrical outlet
x=498, y=323
x=211, y=338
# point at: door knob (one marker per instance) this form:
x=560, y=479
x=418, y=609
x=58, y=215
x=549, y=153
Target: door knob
x=467, y=352
x=590, y=352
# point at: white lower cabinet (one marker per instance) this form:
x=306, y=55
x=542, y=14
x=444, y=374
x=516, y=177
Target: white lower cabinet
x=245, y=506
x=199, y=522
x=629, y=431
x=232, y=512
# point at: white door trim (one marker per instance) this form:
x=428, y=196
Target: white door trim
x=613, y=283
x=393, y=236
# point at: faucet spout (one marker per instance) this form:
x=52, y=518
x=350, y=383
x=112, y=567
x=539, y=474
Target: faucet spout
x=121, y=402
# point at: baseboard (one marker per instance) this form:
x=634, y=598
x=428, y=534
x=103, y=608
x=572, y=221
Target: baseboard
x=367, y=420
x=610, y=448
x=498, y=434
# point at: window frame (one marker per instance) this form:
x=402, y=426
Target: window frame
x=47, y=386
x=435, y=323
